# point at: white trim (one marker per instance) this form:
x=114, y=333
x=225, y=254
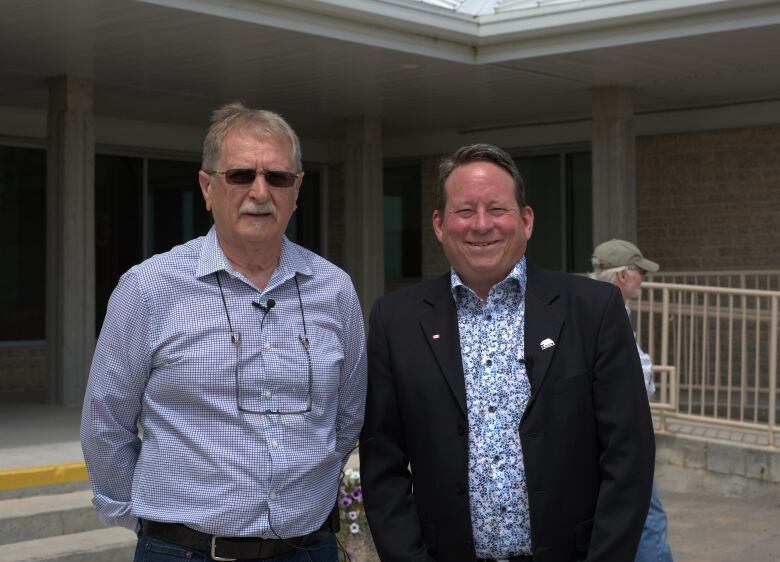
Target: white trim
x=415, y=27
x=529, y=135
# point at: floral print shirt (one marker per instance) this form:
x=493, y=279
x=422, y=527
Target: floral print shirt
x=497, y=392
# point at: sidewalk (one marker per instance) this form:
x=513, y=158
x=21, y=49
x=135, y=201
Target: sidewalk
x=37, y=434
x=702, y=528
x=716, y=529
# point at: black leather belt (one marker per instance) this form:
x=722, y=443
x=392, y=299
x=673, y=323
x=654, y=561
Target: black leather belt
x=230, y=548
x=520, y=558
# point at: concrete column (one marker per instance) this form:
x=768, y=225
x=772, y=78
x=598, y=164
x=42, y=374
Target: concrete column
x=364, y=236
x=70, y=243
x=614, y=165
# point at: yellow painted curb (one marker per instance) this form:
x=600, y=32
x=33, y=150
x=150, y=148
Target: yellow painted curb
x=30, y=476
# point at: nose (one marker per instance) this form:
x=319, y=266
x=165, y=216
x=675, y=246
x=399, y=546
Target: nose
x=259, y=189
x=481, y=220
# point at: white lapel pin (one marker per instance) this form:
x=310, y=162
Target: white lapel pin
x=435, y=336
x=547, y=343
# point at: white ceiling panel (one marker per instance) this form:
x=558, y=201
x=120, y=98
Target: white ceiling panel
x=158, y=63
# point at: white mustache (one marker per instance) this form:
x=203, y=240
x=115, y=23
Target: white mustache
x=258, y=208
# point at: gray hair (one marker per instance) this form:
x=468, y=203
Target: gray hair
x=258, y=122
x=478, y=153
x=609, y=275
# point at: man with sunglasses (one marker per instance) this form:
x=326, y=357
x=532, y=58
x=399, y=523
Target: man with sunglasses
x=240, y=355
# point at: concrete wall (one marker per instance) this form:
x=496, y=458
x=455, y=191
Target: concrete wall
x=710, y=200
x=23, y=370
x=689, y=464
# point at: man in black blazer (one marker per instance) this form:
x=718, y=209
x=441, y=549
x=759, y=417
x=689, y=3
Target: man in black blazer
x=506, y=416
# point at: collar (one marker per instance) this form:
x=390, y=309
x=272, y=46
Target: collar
x=518, y=274
x=292, y=260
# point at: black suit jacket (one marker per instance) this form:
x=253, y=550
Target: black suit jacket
x=586, y=433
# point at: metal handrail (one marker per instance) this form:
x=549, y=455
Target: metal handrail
x=716, y=350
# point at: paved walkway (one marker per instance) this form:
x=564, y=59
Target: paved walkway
x=36, y=434
x=715, y=529
x=702, y=528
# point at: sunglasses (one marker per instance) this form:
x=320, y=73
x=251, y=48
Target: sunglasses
x=245, y=177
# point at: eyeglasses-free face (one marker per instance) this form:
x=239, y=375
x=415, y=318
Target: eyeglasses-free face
x=245, y=177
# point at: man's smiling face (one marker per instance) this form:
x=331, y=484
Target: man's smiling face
x=482, y=230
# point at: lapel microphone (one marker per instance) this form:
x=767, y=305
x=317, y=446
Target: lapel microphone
x=266, y=308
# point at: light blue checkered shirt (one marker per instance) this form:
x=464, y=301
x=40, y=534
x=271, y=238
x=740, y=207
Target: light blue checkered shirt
x=165, y=360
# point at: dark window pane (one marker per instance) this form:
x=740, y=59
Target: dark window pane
x=542, y=175
x=402, y=216
x=304, y=227
x=177, y=212
x=118, y=224
x=580, y=212
x=23, y=243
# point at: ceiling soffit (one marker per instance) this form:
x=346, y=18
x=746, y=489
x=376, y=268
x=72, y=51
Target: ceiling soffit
x=414, y=27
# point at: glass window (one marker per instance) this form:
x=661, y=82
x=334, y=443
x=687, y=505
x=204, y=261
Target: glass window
x=542, y=175
x=118, y=224
x=176, y=209
x=558, y=188
x=402, y=216
x=23, y=243
x=304, y=226
x=580, y=211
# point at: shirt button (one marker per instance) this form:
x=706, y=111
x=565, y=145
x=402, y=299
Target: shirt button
x=274, y=443
x=489, y=362
x=489, y=317
x=272, y=496
x=268, y=394
x=267, y=345
x=491, y=409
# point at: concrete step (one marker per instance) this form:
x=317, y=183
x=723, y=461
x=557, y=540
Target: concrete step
x=34, y=517
x=113, y=544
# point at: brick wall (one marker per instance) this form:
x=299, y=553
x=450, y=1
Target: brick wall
x=23, y=369
x=710, y=200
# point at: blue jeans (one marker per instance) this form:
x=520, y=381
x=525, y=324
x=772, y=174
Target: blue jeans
x=654, y=545
x=152, y=549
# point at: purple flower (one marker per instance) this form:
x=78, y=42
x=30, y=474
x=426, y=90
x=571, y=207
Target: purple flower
x=353, y=515
x=357, y=494
x=354, y=528
x=345, y=501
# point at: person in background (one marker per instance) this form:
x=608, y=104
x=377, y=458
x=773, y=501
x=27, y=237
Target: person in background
x=506, y=417
x=621, y=263
x=241, y=356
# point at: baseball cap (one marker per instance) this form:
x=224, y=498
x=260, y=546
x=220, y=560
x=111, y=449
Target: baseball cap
x=620, y=253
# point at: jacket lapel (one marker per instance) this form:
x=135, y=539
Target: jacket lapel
x=439, y=322
x=542, y=329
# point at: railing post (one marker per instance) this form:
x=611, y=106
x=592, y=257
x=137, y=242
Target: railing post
x=665, y=327
x=773, y=371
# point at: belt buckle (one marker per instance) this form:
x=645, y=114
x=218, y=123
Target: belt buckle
x=214, y=552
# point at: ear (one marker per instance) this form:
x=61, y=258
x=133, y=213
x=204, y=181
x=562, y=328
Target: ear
x=527, y=216
x=620, y=277
x=438, y=222
x=205, y=188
